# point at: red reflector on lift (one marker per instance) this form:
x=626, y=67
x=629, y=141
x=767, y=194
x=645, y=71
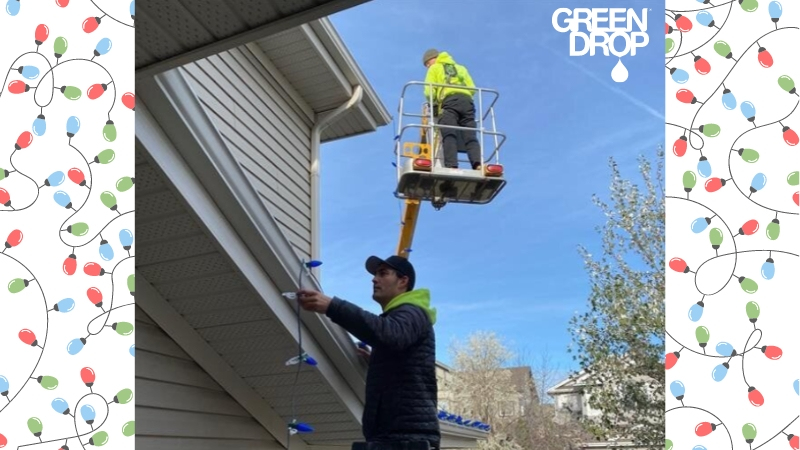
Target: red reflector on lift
x=422, y=164
x=494, y=170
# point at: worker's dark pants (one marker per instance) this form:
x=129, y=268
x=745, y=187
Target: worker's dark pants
x=459, y=110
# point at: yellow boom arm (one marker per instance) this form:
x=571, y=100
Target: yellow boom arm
x=411, y=209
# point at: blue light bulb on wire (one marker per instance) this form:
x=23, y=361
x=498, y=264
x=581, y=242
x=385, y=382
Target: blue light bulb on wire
x=704, y=167
x=29, y=72
x=768, y=269
x=12, y=7
x=75, y=346
x=88, y=413
x=60, y=406
x=102, y=47
x=132, y=350
x=39, y=125
x=66, y=305
x=55, y=179
x=106, y=252
x=313, y=263
x=705, y=18
x=719, y=372
x=700, y=224
x=796, y=385
x=728, y=100
x=724, y=349
x=696, y=311
x=748, y=111
x=73, y=126
x=679, y=76
x=126, y=238
x=132, y=9
x=62, y=198
x=775, y=11
x=677, y=389
x=4, y=385
x=758, y=183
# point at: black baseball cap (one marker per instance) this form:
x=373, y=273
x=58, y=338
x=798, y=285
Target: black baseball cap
x=398, y=263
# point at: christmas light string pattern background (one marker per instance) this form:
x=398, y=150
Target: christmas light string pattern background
x=732, y=224
x=67, y=202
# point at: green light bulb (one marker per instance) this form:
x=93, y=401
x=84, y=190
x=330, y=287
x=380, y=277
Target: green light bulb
x=710, y=129
x=4, y=173
x=71, y=92
x=667, y=445
x=99, y=439
x=105, y=157
x=748, y=285
x=753, y=311
x=132, y=283
x=129, y=429
x=669, y=45
x=110, y=131
x=723, y=49
x=749, y=432
x=787, y=84
x=702, y=334
x=78, y=229
x=748, y=155
x=748, y=5
x=109, y=200
x=17, y=285
x=774, y=229
x=60, y=47
x=125, y=183
x=122, y=328
x=793, y=179
x=48, y=382
x=689, y=180
x=35, y=425
x=715, y=236
x=123, y=396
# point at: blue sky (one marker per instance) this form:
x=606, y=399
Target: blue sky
x=511, y=266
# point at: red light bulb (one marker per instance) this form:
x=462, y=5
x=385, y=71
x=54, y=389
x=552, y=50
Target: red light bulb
x=93, y=269
x=5, y=198
x=686, y=96
x=772, y=352
x=678, y=265
x=796, y=198
x=714, y=184
x=76, y=176
x=24, y=140
x=129, y=100
x=704, y=428
x=90, y=24
x=42, y=32
x=95, y=296
x=749, y=227
x=701, y=65
x=755, y=397
x=96, y=90
x=789, y=136
x=679, y=147
x=683, y=23
x=28, y=337
x=764, y=58
x=3, y=441
x=70, y=264
x=87, y=376
x=14, y=238
x=62, y=3
x=18, y=87
x=671, y=360
x=667, y=28
x=794, y=441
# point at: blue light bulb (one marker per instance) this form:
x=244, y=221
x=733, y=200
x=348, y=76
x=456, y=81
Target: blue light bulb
x=679, y=76
x=73, y=125
x=768, y=269
x=4, y=385
x=132, y=350
x=103, y=46
x=88, y=413
x=303, y=428
x=748, y=111
x=60, y=405
x=133, y=8
x=29, y=72
x=704, y=18
x=56, y=178
x=313, y=263
x=62, y=198
x=75, y=346
x=677, y=389
x=126, y=238
x=39, y=125
x=65, y=305
x=700, y=224
x=725, y=349
x=775, y=11
x=728, y=100
x=796, y=385
x=758, y=183
x=106, y=252
x=12, y=7
x=719, y=372
x=699, y=447
x=696, y=312
x=704, y=167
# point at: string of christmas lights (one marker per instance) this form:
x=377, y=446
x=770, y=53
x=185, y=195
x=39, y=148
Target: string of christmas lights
x=89, y=25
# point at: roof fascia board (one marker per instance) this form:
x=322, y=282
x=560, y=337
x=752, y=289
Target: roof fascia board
x=269, y=66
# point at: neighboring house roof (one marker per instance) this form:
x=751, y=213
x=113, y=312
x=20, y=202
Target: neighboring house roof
x=574, y=383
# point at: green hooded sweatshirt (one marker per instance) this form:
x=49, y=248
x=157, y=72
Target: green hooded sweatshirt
x=417, y=297
x=437, y=75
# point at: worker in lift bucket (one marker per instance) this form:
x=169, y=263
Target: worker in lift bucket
x=401, y=393
x=454, y=105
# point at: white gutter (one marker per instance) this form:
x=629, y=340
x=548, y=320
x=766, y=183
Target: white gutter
x=316, y=134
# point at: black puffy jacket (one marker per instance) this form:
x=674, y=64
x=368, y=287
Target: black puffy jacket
x=401, y=382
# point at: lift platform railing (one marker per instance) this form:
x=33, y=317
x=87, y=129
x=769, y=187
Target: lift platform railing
x=430, y=130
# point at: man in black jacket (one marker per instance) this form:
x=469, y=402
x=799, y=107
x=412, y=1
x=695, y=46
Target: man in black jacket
x=401, y=394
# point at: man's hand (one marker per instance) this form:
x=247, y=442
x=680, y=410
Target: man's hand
x=313, y=301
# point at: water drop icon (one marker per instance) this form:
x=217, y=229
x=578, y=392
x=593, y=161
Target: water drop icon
x=619, y=73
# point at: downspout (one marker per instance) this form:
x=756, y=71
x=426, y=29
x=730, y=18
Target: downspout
x=316, y=133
